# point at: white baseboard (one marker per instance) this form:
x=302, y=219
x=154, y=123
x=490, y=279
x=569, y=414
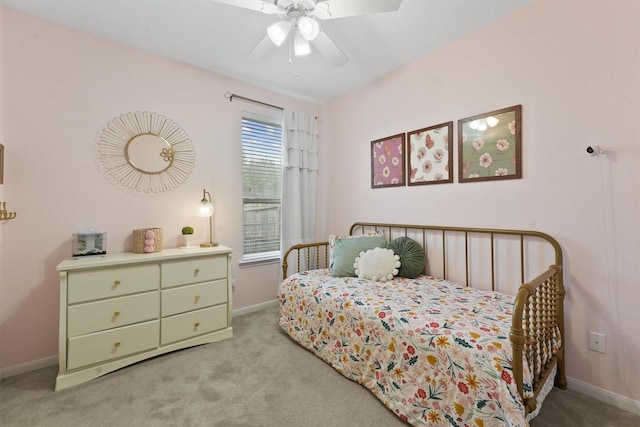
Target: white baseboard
x=34, y=365
x=23, y=368
x=598, y=393
x=605, y=396
x=257, y=307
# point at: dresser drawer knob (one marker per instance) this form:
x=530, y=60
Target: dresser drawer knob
x=196, y=271
x=116, y=283
x=116, y=314
x=197, y=299
x=195, y=325
x=116, y=344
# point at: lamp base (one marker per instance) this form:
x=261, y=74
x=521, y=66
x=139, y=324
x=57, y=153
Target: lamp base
x=208, y=244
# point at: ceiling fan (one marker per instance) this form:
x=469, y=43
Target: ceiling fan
x=301, y=18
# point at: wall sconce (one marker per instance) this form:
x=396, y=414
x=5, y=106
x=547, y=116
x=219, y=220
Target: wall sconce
x=5, y=215
x=205, y=209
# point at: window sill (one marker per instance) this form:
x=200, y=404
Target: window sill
x=252, y=261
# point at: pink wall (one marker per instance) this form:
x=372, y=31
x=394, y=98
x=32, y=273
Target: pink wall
x=575, y=68
x=61, y=88
x=2, y=141
x=573, y=65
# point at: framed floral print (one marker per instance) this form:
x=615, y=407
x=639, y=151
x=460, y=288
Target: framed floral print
x=387, y=161
x=490, y=146
x=430, y=155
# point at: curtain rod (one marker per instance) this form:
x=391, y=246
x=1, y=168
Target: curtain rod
x=230, y=97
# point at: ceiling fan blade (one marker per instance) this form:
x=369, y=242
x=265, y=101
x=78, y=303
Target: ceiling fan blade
x=257, y=5
x=265, y=46
x=329, y=50
x=330, y=9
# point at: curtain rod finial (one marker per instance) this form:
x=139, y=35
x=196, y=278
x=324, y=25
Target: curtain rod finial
x=228, y=95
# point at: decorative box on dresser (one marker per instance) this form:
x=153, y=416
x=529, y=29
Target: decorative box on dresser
x=121, y=308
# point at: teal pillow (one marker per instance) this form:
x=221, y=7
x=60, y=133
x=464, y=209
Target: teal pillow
x=412, y=256
x=347, y=249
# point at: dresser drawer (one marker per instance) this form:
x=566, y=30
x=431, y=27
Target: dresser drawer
x=192, y=297
x=116, y=309
x=174, y=273
x=112, y=313
x=111, y=282
x=112, y=344
x=194, y=323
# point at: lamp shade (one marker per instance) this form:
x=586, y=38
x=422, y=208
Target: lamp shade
x=301, y=45
x=308, y=27
x=278, y=32
x=204, y=209
x=322, y=10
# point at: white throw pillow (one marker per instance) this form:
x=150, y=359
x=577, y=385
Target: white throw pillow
x=378, y=264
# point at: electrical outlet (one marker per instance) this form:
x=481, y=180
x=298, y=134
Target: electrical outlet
x=597, y=341
x=234, y=283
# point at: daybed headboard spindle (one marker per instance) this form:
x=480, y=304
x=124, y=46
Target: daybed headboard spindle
x=306, y=249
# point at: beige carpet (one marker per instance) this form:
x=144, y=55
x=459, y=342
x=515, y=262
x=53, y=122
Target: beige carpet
x=258, y=378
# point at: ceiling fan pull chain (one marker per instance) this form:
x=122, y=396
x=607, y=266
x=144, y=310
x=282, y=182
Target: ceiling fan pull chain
x=290, y=49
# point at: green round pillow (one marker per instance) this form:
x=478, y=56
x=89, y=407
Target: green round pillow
x=412, y=256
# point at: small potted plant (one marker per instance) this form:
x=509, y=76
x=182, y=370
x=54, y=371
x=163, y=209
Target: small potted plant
x=187, y=232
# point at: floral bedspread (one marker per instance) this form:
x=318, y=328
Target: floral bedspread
x=434, y=352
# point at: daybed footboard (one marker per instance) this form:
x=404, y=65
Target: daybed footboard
x=536, y=332
x=538, y=317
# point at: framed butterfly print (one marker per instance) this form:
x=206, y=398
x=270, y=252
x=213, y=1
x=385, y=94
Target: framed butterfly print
x=430, y=155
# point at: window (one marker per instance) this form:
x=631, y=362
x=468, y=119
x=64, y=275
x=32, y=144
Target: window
x=261, y=187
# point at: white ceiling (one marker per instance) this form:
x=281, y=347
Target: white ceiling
x=217, y=37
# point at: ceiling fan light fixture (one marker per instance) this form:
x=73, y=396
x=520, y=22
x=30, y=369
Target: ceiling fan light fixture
x=301, y=46
x=309, y=28
x=278, y=32
x=322, y=10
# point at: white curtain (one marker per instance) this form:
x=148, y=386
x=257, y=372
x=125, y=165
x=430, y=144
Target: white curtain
x=299, y=179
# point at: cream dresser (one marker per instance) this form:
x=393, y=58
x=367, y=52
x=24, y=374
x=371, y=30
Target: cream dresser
x=122, y=308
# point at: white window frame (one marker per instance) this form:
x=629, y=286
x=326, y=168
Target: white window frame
x=270, y=256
